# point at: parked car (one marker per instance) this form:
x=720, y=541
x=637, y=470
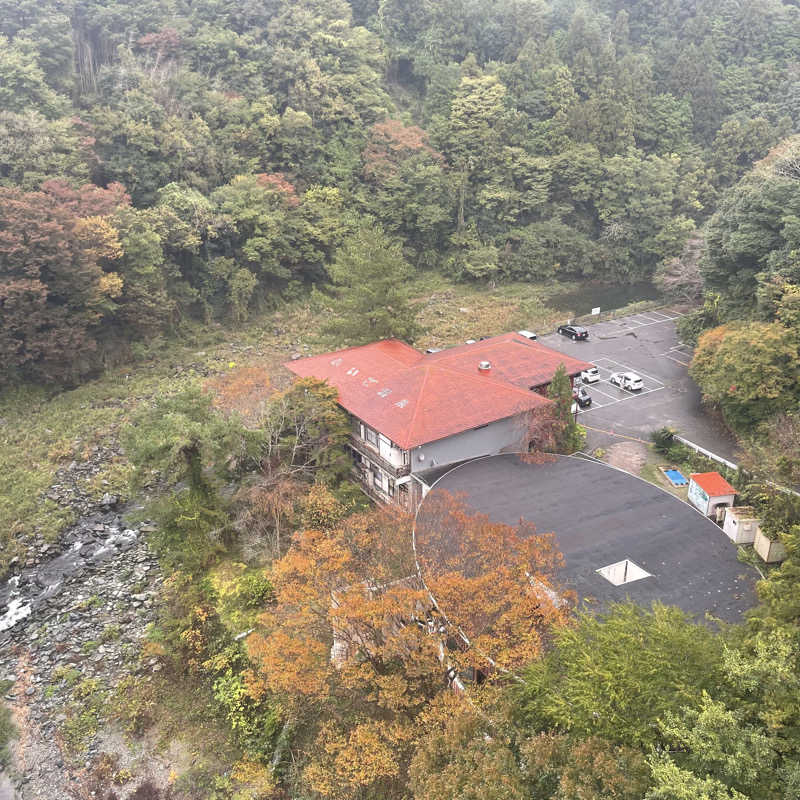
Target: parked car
x=581, y=397
x=434, y=350
x=528, y=335
x=575, y=332
x=591, y=375
x=627, y=380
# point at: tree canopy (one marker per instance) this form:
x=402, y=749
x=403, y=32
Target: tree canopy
x=488, y=141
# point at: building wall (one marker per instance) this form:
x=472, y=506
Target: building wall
x=382, y=445
x=503, y=435
x=698, y=497
x=740, y=527
x=376, y=480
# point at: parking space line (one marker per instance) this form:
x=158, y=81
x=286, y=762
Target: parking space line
x=660, y=314
x=676, y=360
x=629, y=369
x=622, y=322
x=631, y=396
x=605, y=394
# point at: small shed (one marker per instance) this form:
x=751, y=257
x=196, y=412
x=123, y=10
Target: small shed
x=709, y=491
x=740, y=524
x=770, y=550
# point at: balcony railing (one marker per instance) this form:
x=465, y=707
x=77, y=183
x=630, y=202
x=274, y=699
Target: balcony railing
x=360, y=446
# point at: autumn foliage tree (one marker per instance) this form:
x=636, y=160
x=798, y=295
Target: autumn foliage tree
x=54, y=287
x=494, y=583
x=357, y=645
x=389, y=144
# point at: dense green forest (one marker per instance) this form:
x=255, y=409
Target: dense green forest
x=169, y=166
x=163, y=160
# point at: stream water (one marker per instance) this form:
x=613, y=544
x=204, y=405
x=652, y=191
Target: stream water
x=607, y=296
x=92, y=540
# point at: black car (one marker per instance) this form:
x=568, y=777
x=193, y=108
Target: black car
x=575, y=332
x=582, y=397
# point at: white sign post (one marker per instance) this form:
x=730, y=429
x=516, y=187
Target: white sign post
x=596, y=311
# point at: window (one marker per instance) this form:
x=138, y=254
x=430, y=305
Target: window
x=377, y=482
x=371, y=436
x=391, y=486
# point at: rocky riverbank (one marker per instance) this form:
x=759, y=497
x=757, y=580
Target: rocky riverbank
x=72, y=616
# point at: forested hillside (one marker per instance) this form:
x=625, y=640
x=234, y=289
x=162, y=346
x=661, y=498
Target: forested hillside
x=193, y=192
x=161, y=160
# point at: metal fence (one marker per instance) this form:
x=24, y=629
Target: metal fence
x=729, y=464
x=706, y=453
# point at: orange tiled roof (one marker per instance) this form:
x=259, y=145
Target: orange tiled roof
x=712, y=483
x=415, y=398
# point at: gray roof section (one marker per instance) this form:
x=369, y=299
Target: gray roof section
x=602, y=515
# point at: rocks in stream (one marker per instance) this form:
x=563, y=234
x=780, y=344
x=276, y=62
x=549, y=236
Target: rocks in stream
x=80, y=613
x=72, y=610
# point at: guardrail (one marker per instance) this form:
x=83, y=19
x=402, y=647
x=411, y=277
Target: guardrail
x=706, y=453
x=729, y=464
x=638, y=307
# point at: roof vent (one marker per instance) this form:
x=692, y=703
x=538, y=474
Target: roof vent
x=484, y=366
x=623, y=572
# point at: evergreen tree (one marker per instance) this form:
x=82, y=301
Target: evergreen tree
x=370, y=288
x=569, y=435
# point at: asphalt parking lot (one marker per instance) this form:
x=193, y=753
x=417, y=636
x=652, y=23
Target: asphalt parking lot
x=602, y=516
x=647, y=344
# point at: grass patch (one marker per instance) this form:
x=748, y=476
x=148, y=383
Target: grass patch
x=7, y=732
x=85, y=716
x=111, y=633
x=650, y=472
x=70, y=675
x=453, y=313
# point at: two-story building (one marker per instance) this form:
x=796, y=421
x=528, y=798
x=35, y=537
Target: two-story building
x=412, y=412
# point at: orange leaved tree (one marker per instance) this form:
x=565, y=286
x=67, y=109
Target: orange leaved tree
x=356, y=647
x=493, y=583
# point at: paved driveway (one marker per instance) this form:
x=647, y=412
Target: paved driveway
x=647, y=344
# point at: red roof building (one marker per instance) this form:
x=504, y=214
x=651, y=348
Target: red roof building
x=414, y=398
x=712, y=483
x=436, y=404
x=709, y=492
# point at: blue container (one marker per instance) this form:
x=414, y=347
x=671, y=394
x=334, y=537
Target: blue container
x=676, y=477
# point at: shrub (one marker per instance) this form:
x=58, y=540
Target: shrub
x=662, y=439
x=134, y=704
x=7, y=733
x=255, y=590
x=192, y=530
x=253, y=722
